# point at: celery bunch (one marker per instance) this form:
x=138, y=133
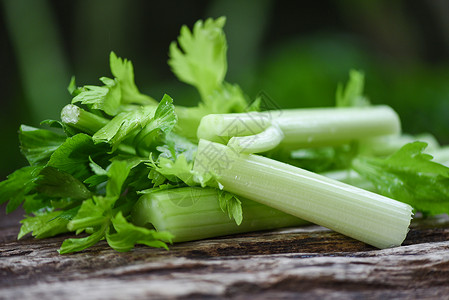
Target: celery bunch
x=123, y=167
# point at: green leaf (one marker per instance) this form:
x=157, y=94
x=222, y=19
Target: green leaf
x=126, y=235
x=47, y=225
x=117, y=173
x=69, y=131
x=201, y=58
x=156, y=178
x=124, y=125
x=72, y=88
x=138, y=175
x=97, y=210
x=116, y=93
x=176, y=145
x=228, y=98
x=101, y=175
x=106, y=98
x=37, y=145
x=78, y=244
x=123, y=71
x=163, y=121
x=409, y=176
x=179, y=169
x=352, y=94
x=92, y=213
x=55, y=183
x=17, y=186
x=230, y=204
x=73, y=156
x=36, y=204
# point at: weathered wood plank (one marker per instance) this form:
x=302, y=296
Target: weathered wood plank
x=311, y=262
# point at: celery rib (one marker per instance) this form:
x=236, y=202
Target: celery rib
x=193, y=213
x=83, y=120
x=365, y=216
x=310, y=127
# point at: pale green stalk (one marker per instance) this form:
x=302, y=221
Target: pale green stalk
x=312, y=127
x=362, y=215
x=194, y=213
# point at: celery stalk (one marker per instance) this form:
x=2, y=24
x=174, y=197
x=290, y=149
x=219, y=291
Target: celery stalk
x=193, y=213
x=310, y=127
x=78, y=118
x=376, y=220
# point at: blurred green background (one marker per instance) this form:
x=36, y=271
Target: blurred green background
x=295, y=52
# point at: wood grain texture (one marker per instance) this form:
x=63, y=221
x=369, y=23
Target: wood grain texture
x=310, y=263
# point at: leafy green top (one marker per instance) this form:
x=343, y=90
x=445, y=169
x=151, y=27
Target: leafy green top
x=115, y=143
x=409, y=175
x=201, y=61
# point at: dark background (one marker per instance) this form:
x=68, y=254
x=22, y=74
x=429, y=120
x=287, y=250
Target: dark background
x=296, y=52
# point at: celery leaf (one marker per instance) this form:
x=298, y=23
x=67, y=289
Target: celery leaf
x=37, y=145
x=58, y=184
x=79, y=244
x=124, y=125
x=17, y=186
x=74, y=155
x=352, y=94
x=230, y=204
x=200, y=59
x=126, y=235
x=409, y=176
x=48, y=224
x=162, y=123
x=179, y=169
x=123, y=71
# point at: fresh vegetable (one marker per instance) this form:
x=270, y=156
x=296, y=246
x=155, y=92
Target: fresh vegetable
x=299, y=128
x=122, y=167
x=366, y=216
x=193, y=213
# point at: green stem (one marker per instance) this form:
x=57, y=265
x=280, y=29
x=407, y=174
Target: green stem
x=85, y=121
x=311, y=127
x=193, y=213
x=365, y=216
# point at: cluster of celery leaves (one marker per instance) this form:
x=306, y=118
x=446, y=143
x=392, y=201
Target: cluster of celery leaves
x=86, y=178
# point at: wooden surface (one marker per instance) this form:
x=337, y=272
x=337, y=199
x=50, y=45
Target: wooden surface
x=310, y=263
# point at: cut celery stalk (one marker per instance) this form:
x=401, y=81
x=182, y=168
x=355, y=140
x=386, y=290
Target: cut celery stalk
x=371, y=218
x=193, y=213
x=310, y=127
x=83, y=120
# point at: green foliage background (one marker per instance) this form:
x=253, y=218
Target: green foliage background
x=295, y=52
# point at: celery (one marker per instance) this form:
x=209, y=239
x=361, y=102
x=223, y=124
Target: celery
x=193, y=213
x=311, y=127
x=261, y=142
x=78, y=118
x=363, y=215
